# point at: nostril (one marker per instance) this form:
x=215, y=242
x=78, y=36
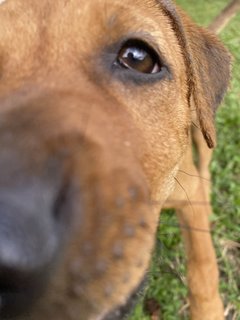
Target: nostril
x=18, y=291
x=61, y=202
x=66, y=203
x=28, y=250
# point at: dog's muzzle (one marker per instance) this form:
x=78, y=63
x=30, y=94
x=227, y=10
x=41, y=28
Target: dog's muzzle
x=73, y=204
x=32, y=227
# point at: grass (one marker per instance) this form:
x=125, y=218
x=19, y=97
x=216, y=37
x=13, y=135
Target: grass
x=167, y=285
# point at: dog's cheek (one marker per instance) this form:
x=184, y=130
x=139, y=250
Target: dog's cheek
x=166, y=135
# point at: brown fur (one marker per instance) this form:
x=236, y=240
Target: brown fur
x=114, y=149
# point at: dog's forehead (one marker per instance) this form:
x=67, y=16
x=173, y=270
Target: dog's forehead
x=25, y=5
x=79, y=30
x=168, y=4
x=125, y=9
x=82, y=17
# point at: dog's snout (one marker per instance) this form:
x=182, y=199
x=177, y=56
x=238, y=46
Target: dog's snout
x=28, y=247
x=63, y=185
x=36, y=196
x=31, y=227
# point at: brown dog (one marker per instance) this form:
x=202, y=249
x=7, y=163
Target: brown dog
x=97, y=99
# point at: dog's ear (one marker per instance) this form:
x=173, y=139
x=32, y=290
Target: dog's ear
x=207, y=64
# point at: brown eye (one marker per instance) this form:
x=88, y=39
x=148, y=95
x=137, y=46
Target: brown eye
x=137, y=55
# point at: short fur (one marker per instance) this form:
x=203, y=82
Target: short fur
x=90, y=153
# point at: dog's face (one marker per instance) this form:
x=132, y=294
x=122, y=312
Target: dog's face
x=95, y=118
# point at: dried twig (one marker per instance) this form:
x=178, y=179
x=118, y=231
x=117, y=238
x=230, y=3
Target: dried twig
x=227, y=14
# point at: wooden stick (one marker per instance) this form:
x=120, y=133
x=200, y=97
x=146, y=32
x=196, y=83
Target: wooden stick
x=222, y=20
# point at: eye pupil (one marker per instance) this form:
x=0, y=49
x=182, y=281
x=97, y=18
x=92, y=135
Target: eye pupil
x=140, y=57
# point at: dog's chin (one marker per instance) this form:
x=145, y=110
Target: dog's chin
x=122, y=312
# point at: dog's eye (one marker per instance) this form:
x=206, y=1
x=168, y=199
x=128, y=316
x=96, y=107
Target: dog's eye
x=137, y=55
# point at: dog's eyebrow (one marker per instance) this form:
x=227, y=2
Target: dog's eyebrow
x=2, y=1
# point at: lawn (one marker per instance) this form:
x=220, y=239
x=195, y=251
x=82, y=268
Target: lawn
x=167, y=282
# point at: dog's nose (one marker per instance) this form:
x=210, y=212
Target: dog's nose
x=35, y=208
x=28, y=246
x=18, y=289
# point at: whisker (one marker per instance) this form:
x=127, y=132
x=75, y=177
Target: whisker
x=181, y=186
x=195, y=176
x=183, y=202
x=182, y=226
x=195, y=125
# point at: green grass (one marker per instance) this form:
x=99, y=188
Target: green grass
x=226, y=179
x=167, y=285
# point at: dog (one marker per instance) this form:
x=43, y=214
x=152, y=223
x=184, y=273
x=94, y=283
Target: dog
x=100, y=102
